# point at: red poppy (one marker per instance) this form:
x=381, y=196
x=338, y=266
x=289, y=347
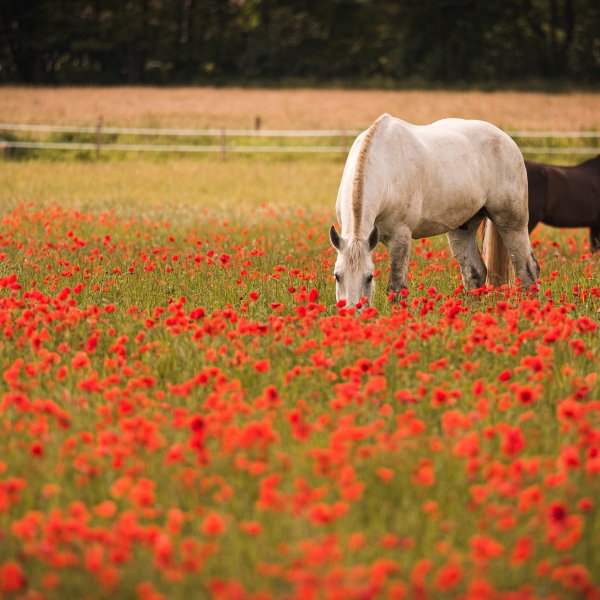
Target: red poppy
x=213, y=524
x=12, y=577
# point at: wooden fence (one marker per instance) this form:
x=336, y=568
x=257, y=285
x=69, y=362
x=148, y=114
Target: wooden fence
x=220, y=140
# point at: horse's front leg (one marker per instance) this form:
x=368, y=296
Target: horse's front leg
x=399, y=248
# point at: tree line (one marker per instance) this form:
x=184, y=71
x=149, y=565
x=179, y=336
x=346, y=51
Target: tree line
x=400, y=42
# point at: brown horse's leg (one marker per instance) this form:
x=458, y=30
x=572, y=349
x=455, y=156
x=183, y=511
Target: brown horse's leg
x=595, y=238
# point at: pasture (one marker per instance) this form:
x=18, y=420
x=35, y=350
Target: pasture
x=186, y=412
x=293, y=109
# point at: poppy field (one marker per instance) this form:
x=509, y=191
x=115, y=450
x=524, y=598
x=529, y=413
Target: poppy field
x=186, y=413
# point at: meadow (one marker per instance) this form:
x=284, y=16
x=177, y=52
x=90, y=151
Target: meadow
x=198, y=108
x=186, y=412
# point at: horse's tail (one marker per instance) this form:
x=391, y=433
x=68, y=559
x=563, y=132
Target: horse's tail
x=495, y=256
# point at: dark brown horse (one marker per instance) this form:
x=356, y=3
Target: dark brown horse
x=566, y=196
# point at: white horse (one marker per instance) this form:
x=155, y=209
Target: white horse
x=404, y=181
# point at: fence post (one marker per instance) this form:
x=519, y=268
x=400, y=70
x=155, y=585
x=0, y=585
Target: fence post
x=257, y=123
x=99, y=135
x=223, y=144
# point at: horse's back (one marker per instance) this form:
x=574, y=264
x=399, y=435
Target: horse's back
x=573, y=196
x=448, y=140
x=476, y=151
x=474, y=131
x=476, y=144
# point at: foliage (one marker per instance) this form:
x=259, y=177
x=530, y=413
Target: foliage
x=404, y=42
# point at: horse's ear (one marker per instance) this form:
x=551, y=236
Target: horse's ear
x=373, y=238
x=334, y=236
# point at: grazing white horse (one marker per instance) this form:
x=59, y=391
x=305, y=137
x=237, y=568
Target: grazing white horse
x=404, y=181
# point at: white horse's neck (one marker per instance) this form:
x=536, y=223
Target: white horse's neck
x=362, y=221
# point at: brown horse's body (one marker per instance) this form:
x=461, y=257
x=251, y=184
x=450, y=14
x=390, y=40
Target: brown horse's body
x=565, y=196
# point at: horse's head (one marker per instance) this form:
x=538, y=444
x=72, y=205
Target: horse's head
x=354, y=267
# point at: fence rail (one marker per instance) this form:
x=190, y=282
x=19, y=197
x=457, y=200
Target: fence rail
x=171, y=147
x=222, y=146
x=283, y=133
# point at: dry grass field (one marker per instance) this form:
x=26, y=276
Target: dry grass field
x=294, y=109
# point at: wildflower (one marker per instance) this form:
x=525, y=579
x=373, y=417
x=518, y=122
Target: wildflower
x=448, y=577
x=424, y=474
x=513, y=442
x=105, y=509
x=522, y=550
x=12, y=577
x=142, y=493
x=356, y=541
x=385, y=474
x=505, y=375
x=146, y=591
x=37, y=449
x=251, y=528
x=574, y=577
x=468, y=445
x=80, y=360
x=440, y=397
x=262, y=365
x=484, y=548
x=213, y=524
x=526, y=394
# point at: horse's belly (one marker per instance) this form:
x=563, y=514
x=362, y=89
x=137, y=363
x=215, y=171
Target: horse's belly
x=429, y=229
x=566, y=216
x=436, y=221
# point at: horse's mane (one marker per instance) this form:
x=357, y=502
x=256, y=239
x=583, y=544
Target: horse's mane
x=354, y=253
x=359, y=174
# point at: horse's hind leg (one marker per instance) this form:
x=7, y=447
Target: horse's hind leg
x=595, y=238
x=518, y=246
x=463, y=244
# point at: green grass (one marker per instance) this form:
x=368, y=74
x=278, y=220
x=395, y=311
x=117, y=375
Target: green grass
x=172, y=187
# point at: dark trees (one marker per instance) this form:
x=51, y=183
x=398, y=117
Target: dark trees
x=448, y=42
